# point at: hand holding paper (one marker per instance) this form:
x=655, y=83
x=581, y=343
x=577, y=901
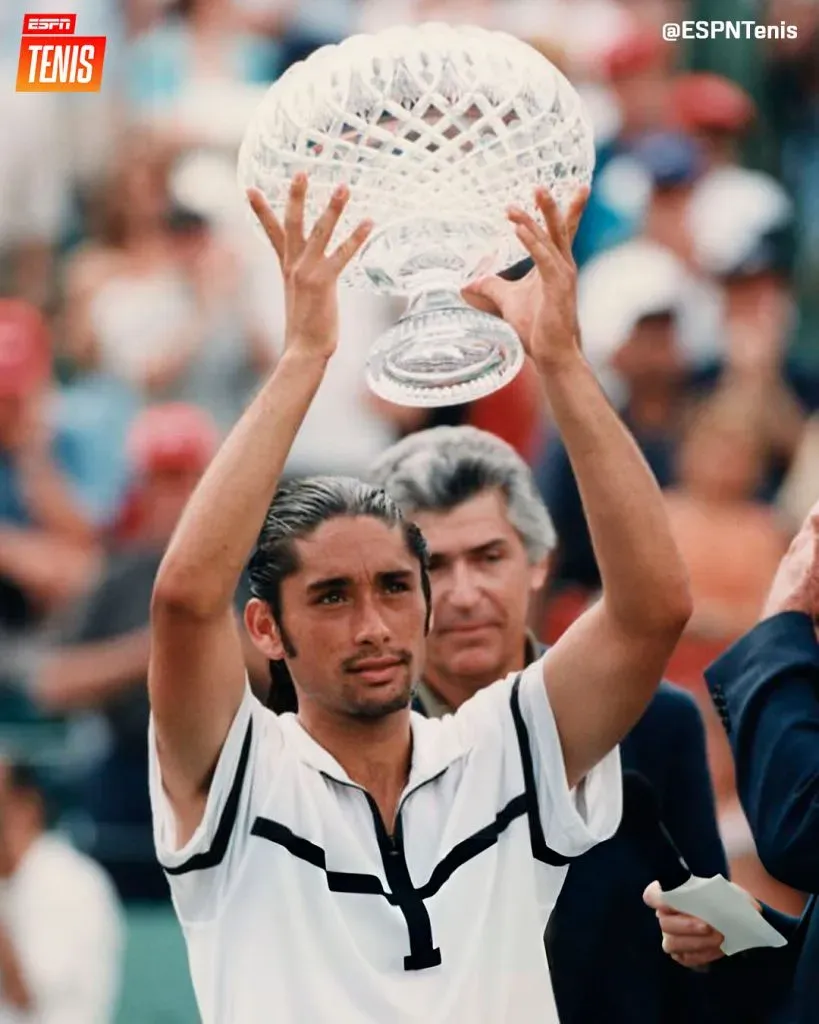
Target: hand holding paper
x=703, y=920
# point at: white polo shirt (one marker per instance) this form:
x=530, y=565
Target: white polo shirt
x=297, y=906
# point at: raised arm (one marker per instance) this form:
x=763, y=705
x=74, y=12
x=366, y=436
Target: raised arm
x=196, y=674
x=603, y=671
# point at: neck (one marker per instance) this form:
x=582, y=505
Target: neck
x=375, y=753
x=653, y=409
x=454, y=689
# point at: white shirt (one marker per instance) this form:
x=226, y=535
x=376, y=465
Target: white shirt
x=296, y=904
x=64, y=921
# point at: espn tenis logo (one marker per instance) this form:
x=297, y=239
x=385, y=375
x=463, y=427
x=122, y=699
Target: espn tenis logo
x=54, y=59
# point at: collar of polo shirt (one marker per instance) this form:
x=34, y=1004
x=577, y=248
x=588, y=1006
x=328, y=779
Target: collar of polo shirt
x=430, y=756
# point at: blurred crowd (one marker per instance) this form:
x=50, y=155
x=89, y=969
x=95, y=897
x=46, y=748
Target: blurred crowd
x=140, y=311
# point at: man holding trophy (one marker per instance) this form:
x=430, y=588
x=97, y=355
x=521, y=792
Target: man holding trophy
x=354, y=861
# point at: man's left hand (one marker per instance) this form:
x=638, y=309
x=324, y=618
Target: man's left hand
x=541, y=307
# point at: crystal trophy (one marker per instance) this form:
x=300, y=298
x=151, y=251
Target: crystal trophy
x=436, y=130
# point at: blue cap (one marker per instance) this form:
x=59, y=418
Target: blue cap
x=669, y=158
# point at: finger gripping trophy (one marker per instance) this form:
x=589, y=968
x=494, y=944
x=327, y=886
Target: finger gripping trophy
x=436, y=130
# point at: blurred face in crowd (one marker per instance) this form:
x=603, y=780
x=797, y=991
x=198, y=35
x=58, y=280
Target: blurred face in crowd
x=651, y=357
x=482, y=582
x=136, y=200
x=353, y=619
x=666, y=220
x=164, y=493
x=721, y=459
x=643, y=98
x=758, y=306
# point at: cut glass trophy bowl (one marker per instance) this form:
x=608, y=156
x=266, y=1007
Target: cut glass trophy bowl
x=436, y=130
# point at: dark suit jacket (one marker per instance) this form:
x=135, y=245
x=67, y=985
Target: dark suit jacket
x=604, y=944
x=766, y=689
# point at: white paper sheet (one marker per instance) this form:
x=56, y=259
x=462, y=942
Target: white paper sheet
x=726, y=908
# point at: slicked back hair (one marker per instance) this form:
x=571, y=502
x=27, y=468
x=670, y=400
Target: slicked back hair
x=298, y=508
x=436, y=470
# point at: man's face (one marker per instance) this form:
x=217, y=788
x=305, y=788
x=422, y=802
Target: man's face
x=482, y=582
x=354, y=614
x=758, y=307
x=651, y=357
x=165, y=494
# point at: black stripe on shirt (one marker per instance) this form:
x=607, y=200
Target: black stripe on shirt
x=218, y=848
x=540, y=849
x=337, y=881
x=472, y=846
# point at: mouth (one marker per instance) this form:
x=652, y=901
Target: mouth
x=471, y=628
x=377, y=670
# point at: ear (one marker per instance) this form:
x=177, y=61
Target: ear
x=538, y=574
x=262, y=629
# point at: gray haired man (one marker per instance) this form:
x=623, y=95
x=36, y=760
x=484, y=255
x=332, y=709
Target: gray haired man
x=489, y=537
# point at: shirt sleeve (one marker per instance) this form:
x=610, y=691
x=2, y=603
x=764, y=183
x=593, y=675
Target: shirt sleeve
x=200, y=871
x=515, y=714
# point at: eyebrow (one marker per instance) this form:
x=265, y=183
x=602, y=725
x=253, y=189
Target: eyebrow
x=478, y=550
x=339, y=582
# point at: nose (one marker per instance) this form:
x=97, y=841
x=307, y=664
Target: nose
x=463, y=592
x=370, y=625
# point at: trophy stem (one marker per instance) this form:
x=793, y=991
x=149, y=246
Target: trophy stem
x=443, y=352
x=433, y=299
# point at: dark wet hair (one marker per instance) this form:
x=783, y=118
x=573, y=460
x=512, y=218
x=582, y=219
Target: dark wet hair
x=299, y=508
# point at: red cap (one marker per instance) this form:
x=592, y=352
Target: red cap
x=702, y=101
x=172, y=437
x=639, y=49
x=25, y=348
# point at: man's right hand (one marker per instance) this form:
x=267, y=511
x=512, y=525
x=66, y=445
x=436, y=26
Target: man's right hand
x=310, y=275
x=796, y=585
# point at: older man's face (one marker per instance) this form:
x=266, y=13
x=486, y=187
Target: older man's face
x=482, y=582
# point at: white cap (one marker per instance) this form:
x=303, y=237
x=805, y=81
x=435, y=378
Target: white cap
x=731, y=209
x=619, y=288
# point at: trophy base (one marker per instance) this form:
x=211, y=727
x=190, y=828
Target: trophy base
x=443, y=352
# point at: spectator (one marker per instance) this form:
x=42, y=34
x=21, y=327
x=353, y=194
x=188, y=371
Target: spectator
x=61, y=927
x=35, y=180
x=181, y=68
x=717, y=520
x=156, y=303
x=101, y=661
x=741, y=224
x=47, y=525
x=130, y=311
x=715, y=111
x=237, y=350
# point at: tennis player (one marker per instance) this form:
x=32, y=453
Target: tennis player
x=355, y=862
